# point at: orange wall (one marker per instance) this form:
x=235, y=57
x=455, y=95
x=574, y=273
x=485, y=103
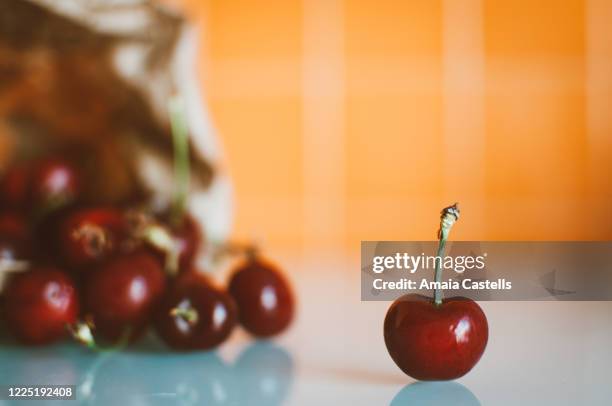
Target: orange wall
x=350, y=120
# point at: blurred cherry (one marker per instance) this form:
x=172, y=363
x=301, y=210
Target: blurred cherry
x=195, y=315
x=41, y=185
x=89, y=236
x=122, y=293
x=54, y=183
x=264, y=298
x=39, y=304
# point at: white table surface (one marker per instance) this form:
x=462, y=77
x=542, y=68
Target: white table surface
x=539, y=353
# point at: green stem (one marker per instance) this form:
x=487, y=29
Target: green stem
x=448, y=217
x=438, y=274
x=187, y=313
x=13, y=265
x=162, y=239
x=180, y=141
x=81, y=331
x=231, y=249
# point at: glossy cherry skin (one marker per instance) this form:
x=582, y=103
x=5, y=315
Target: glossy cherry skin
x=39, y=304
x=122, y=294
x=435, y=343
x=42, y=184
x=212, y=312
x=55, y=182
x=89, y=236
x=264, y=298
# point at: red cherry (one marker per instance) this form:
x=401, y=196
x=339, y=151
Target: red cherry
x=43, y=184
x=122, y=294
x=434, y=343
x=88, y=236
x=55, y=182
x=265, y=301
x=195, y=315
x=39, y=304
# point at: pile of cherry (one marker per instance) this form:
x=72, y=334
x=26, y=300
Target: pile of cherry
x=111, y=272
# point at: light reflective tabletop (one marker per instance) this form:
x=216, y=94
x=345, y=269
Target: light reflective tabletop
x=539, y=353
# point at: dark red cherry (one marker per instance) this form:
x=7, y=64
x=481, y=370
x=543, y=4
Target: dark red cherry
x=195, y=315
x=39, y=304
x=89, y=236
x=43, y=184
x=434, y=343
x=121, y=294
x=264, y=298
x=54, y=183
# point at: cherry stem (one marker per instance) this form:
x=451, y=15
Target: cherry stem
x=81, y=331
x=162, y=239
x=232, y=249
x=146, y=228
x=448, y=217
x=12, y=265
x=180, y=142
x=189, y=314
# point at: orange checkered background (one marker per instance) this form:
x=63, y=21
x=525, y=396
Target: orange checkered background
x=359, y=120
